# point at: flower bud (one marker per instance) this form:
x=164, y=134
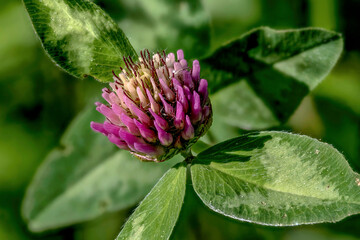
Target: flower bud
x=157, y=107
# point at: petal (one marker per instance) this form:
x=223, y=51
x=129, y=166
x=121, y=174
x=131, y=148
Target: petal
x=203, y=89
x=169, y=110
x=149, y=149
x=159, y=120
x=111, y=128
x=171, y=72
x=153, y=104
x=130, y=139
x=167, y=91
x=105, y=95
x=181, y=98
x=114, y=99
x=98, y=127
x=165, y=138
x=109, y=114
x=176, y=83
x=196, y=110
x=188, y=132
x=179, y=120
x=155, y=89
x=120, y=93
x=188, y=80
x=196, y=71
x=143, y=117
x=118, y=110
x=187, y=93
x=130, y=88
x=143, y=100
x=177, y=67
x=180, y=54
x=129, y=123
x=160, y=74
x=118, y=142
x=148, y=134
x=170, y=59
x=183, y=63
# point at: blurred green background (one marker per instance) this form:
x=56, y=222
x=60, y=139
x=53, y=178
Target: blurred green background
x=38, y=100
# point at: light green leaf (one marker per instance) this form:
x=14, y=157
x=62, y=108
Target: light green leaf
x=86, y=178
x=276, y=178
x=80, y=37
x=280, y=69
x=157, y=214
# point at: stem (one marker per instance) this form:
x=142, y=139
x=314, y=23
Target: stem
x=188, y=156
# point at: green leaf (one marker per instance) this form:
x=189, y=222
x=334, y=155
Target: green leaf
x=238, y=105
x=237, y=16
x=80, y=37
x=157, y=214
x=346, y=92
x=276, y=178
x=166, y=25
x=87, y=177
x=280, y=68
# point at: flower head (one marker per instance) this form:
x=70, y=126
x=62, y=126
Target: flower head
x=157, y=106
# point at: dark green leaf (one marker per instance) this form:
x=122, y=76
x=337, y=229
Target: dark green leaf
x=280, y=68
x=79, y=36
x=276, y=178
x=86, y=178
x=341, y=128
x=157, y=214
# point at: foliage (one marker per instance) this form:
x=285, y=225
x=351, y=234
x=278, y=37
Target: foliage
x=257, y=81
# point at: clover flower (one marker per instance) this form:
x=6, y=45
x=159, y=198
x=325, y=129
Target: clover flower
x=157, y=107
